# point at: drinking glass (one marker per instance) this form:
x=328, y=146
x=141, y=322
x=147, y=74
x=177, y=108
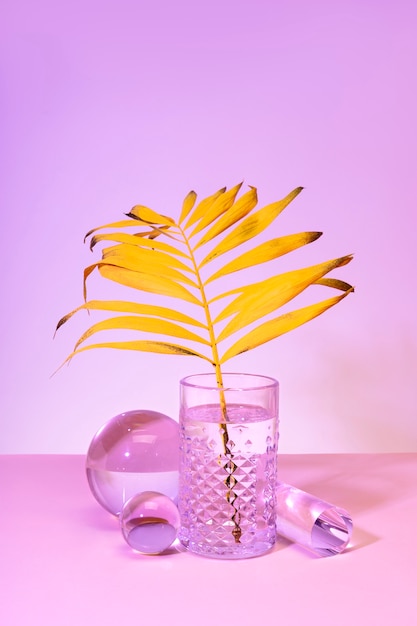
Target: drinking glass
x=228, y=464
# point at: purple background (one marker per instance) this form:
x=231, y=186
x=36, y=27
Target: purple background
x=108, y=104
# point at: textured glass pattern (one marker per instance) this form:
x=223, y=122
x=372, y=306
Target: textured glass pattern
x=227, y=492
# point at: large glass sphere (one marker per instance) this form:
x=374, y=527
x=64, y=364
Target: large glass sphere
x=135, y=451
x=149, y=522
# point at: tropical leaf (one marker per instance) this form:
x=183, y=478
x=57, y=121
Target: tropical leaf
x=160, y=258
x=279, y=326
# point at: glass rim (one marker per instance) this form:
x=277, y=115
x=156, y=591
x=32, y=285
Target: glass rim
x=269, y=382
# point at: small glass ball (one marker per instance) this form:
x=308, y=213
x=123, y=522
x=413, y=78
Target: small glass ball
x=149, y=522
x=133, y=452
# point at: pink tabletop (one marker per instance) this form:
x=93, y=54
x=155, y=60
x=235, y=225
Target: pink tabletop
x=63, y=560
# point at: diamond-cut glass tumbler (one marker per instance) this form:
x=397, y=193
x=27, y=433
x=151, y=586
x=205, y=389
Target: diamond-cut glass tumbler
x=228, y=464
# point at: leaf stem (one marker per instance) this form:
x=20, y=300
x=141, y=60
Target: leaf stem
x=230, y=481
x=212, y=336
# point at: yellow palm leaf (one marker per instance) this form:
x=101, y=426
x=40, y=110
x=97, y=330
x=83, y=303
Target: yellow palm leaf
x=251, y=226
x=237, y=211
x=120, y=306
x=279, y=326
x=168, y=267
x=259, y=299
x=144, y=324
x=266, y=251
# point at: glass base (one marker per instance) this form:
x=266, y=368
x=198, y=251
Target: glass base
x=240, y=551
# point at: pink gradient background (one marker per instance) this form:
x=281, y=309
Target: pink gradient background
x=108, y=104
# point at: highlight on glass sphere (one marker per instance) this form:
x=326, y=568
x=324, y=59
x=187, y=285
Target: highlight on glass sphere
x=133, y=452
x=149, y=522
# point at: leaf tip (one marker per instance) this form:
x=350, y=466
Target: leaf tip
x=61, y=323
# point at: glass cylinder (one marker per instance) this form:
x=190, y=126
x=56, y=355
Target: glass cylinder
x=322, y=527
x=228, y=464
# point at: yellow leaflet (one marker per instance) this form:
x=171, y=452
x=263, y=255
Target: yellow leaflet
x=118, y=237
x=146, y=282
x=279, y=326
x=251, y=226
x=335, y=283
x=261, y=298
x=130, y=262
x=120, y=224
x=219, y=206
x=187, y=205
x=266, y=251
x=149, y=216
x=202, y=207
x=248, y=291
x=121, y=306
x=136, y=240
x=87, y=271
x=148, y=256
x=144, y=324
x=236, y=212
x=144, y=346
